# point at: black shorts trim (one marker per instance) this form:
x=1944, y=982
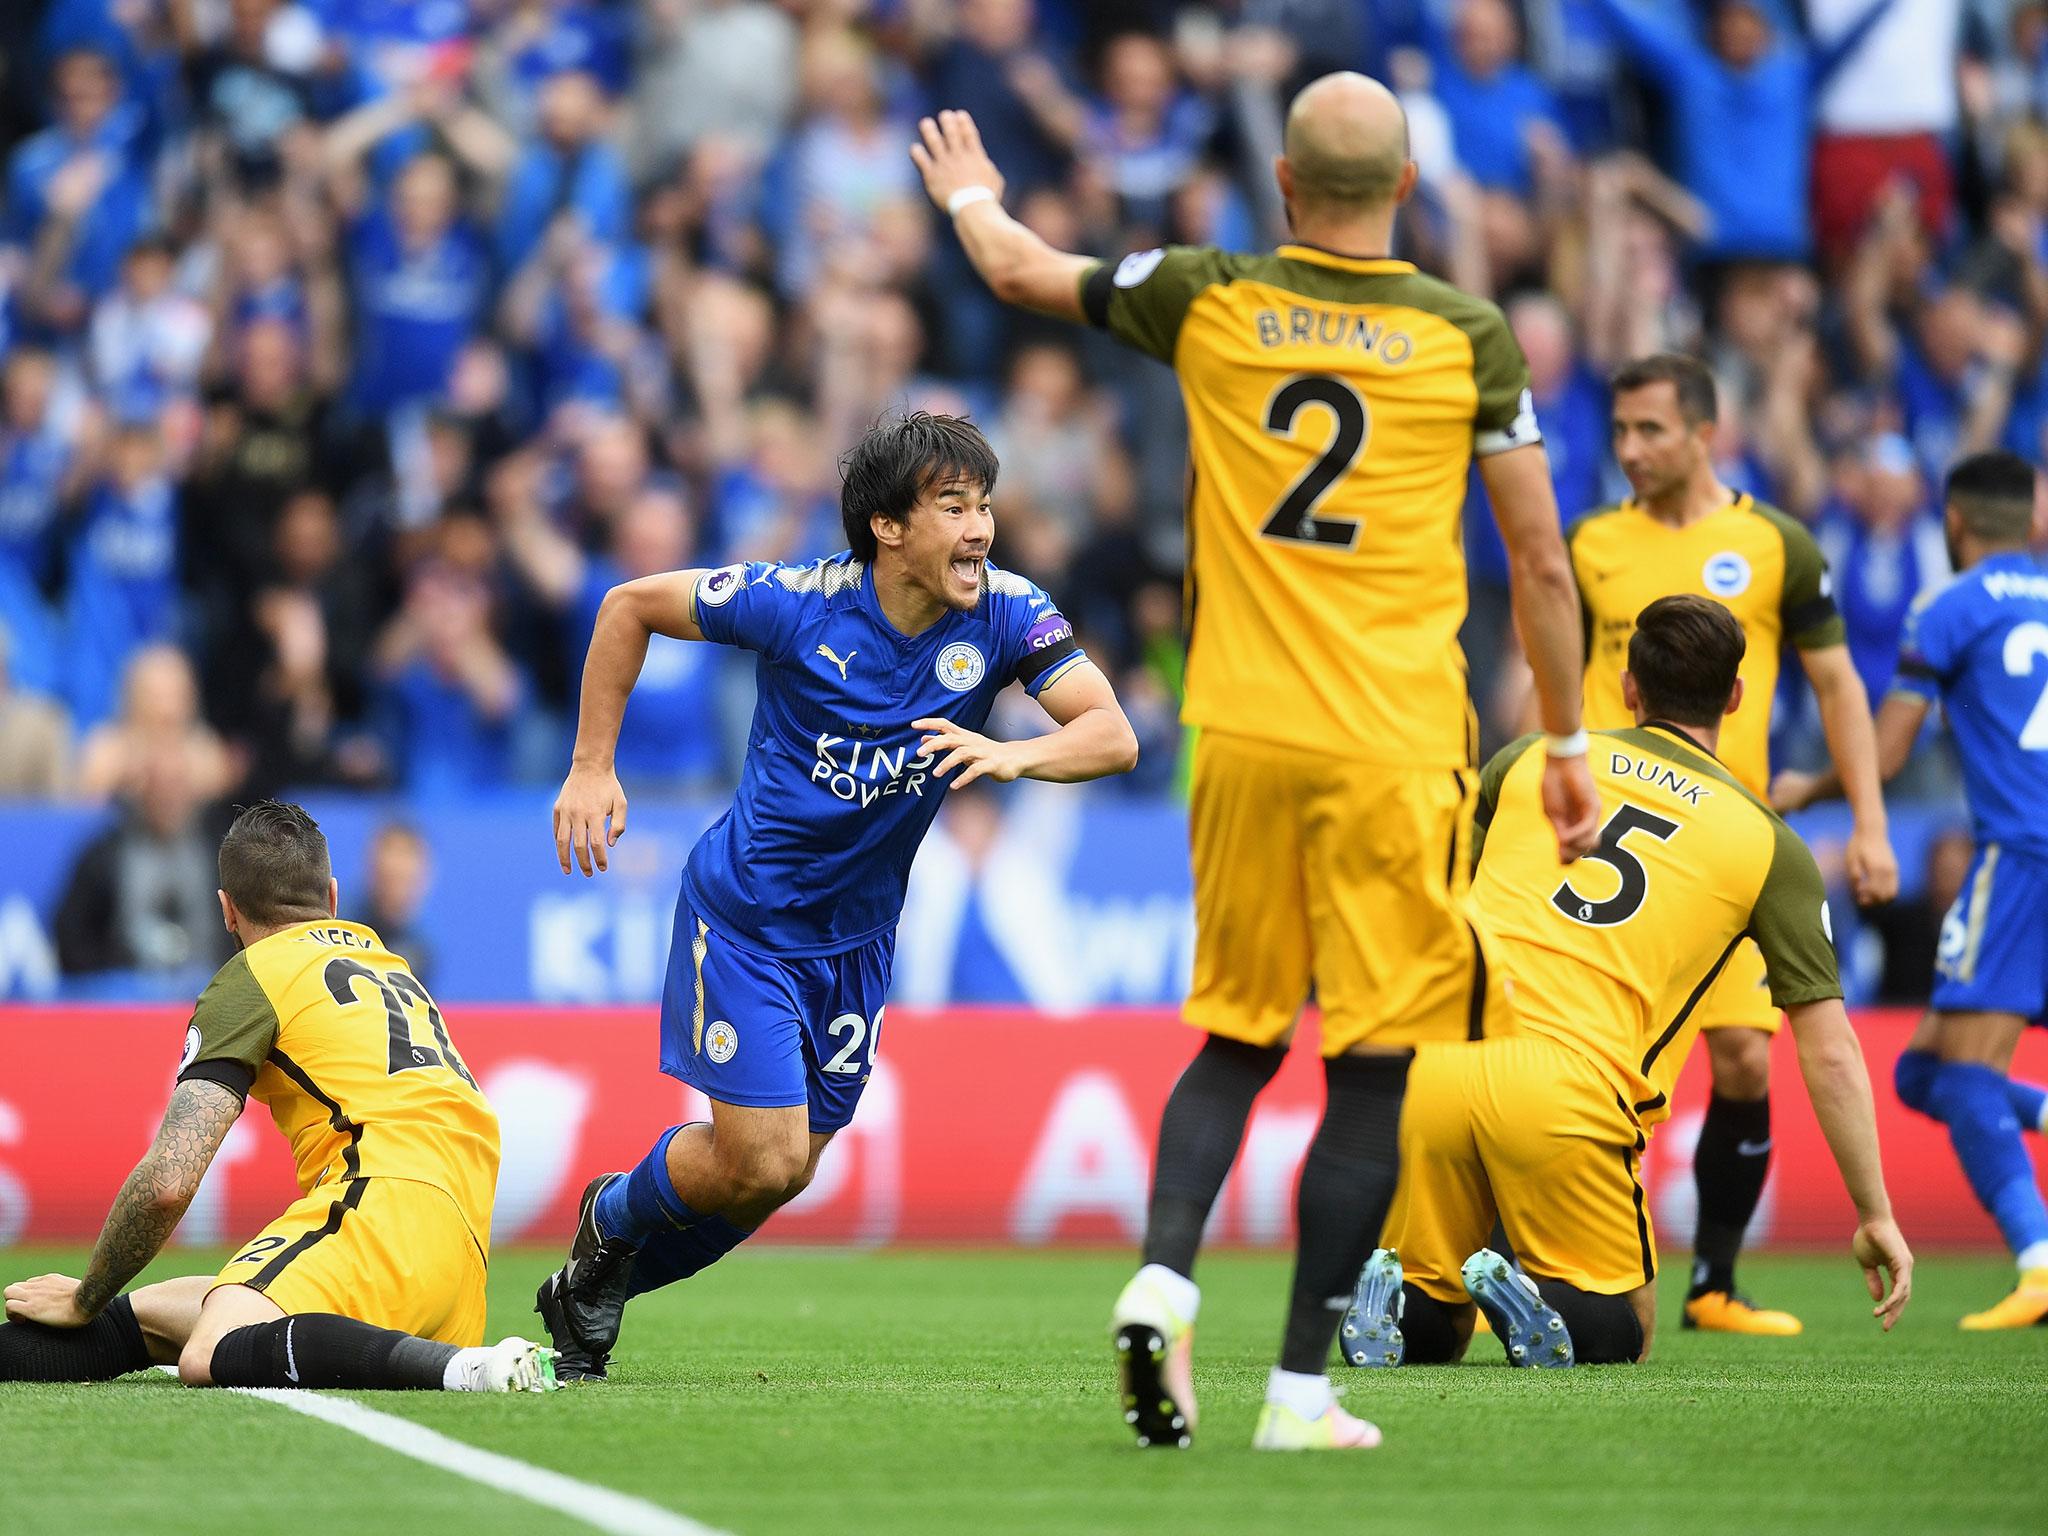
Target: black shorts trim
x=350, y=1199
x=1475, y=1017
x=1628, y=1163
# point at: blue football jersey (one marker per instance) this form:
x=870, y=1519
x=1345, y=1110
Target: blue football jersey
x=813, y=856
x=1979, y=647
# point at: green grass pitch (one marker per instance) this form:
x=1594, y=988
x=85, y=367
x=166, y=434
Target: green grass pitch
x=926, y=1392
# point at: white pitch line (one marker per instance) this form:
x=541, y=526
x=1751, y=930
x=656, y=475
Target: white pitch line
x=620, y=1514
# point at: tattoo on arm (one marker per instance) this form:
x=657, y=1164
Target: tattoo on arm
x=153, y=1199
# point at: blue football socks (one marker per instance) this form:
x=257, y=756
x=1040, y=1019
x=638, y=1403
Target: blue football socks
x=1976, y=1104
x=674, y=1240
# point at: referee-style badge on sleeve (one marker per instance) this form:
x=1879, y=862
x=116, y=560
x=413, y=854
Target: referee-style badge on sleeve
x=1138, y=266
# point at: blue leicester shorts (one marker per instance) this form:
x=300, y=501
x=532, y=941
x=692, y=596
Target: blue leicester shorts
x=746, y=1028
x=1993, y=955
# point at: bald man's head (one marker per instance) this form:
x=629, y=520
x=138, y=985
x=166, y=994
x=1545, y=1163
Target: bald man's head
x=1347, y=143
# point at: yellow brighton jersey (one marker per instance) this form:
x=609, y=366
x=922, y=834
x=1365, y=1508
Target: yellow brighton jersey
x=1612, y=954
x=1334, y=407
x=329, y=1028
x=1760, y=564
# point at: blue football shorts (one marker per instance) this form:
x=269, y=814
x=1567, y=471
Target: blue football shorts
x=1993, y=954
x=745, y=1028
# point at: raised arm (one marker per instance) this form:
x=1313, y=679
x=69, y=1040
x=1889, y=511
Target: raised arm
x=630, y=614
x=1093, y=741
x=1017, y=265
x=148, y=1209
x=1665, y=49
x=1836, y=1081
x=1546, y=604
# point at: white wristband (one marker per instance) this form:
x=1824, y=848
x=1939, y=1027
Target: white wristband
x=1575, y=745
x=967, y=197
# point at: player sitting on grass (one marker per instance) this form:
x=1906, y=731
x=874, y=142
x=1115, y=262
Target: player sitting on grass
x=1545, y=1126
x=877, y=669
x=1974, y=647
x=376, y=1277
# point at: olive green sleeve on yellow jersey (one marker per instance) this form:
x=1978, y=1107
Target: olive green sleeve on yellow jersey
x=1791, y=926
x=1807, y=604
x=1505, y=416
x=1142, y=299
x=232, y=1029
x=1490, y=779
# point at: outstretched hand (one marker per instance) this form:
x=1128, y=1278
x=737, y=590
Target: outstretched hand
x=950, y=158
x=590, y=798
x=1881, y=1249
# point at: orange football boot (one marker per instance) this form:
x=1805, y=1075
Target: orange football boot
x=2026, y=1307
x=1725, y=1312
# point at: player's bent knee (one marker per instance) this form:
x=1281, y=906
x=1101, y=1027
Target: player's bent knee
x=1913, y=1079
x=195, y=1363
x=1741, y=1060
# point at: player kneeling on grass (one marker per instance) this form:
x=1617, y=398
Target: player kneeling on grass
x=1544, y=1126
x=376, y=1277
x=877, y=669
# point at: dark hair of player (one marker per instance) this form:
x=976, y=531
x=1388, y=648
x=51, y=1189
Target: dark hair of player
x=273, y=864
x=1688, y=376
x=1684, y=656
x=1993, y=493
x=897, y=461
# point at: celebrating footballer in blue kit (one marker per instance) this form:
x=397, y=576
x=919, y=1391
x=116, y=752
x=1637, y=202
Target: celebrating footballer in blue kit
x=877, y=669
x=1979, y=648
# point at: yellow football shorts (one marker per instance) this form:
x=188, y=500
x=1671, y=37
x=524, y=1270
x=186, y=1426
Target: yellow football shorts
x=1525, y=1129
x=391, y=1252
x=1741, y=995
x=1313, y=870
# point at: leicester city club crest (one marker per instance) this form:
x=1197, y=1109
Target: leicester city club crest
x=720, y=1041
x=960, y=666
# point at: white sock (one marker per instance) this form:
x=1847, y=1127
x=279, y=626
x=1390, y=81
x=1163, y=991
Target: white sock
x=464, y=1371
x=1182, y=1294
x=1309, y=1396
x=2034, y=1256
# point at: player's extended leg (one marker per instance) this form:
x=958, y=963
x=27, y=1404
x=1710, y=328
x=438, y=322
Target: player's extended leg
x=244, y=1339
x=1954, y=1071
x=701, y=1191
x=1251, y=978
x=1730, y=1164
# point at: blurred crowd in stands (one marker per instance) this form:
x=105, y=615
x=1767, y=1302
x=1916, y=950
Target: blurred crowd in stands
x=350, y=349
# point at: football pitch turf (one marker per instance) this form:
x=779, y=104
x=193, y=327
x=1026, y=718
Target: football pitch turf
x=934, y=1391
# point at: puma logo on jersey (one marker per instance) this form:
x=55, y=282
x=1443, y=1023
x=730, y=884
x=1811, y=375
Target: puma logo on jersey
x=832, y=656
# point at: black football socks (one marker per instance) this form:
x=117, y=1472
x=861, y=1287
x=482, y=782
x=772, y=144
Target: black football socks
x=1729, y=1166
x=110, y=1345
x=1430, y=1335
x=1605, y=1329
x=318, y=1349
x=1347, y=1183
x=1199, y=1136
